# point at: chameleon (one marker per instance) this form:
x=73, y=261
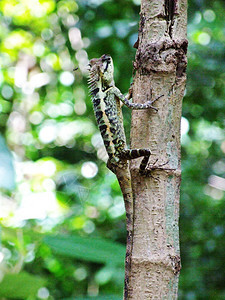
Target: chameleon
x=106, y=99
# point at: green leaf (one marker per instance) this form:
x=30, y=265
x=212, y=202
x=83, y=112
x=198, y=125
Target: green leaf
x=20, y=286
x=88, y=249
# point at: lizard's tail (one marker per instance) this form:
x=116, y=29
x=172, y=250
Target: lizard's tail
x=125, y=185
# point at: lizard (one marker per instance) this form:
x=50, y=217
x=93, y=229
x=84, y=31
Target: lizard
x=106, y=99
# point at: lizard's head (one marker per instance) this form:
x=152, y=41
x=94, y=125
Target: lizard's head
x=102, y=68
x=106, y=68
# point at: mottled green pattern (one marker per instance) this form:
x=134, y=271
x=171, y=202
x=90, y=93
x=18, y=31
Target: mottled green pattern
x=106, y=102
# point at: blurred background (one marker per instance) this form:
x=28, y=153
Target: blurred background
x=62, y=213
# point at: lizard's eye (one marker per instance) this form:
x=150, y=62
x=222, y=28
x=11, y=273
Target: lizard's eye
x=106, y=60
x=106, y=64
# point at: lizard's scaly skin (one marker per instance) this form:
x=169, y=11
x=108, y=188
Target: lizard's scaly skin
x=106, y=99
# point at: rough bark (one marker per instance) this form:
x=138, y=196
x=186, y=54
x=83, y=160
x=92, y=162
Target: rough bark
x=160, y=66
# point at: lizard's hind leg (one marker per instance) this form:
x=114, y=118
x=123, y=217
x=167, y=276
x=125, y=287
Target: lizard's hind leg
x=135, y=153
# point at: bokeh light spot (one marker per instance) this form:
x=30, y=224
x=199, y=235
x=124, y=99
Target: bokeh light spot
x=46, y=34
x=89, y=169
x=66, y=78
x=43, y=293
x=184, y=126
x=36, y=117
x=209, y=15
x=48, y=133
x=7, y=92
x=204, y=38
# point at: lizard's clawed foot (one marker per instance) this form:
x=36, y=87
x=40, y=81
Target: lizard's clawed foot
x=152, y=107
x=158, y=167
x=147, y=171
x=151, y=102
x=156, y=98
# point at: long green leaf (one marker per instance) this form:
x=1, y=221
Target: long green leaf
x=88, y=249
x=20, y=286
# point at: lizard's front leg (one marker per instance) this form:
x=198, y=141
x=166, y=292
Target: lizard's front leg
x=135, y=153
x=144, y=168
x=135, y=106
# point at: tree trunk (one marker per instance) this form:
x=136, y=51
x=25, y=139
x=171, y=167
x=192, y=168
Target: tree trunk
x=160, y=65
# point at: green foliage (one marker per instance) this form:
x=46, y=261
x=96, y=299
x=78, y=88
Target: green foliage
x=63, y=225
x=89, y=249
x=20, y=286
